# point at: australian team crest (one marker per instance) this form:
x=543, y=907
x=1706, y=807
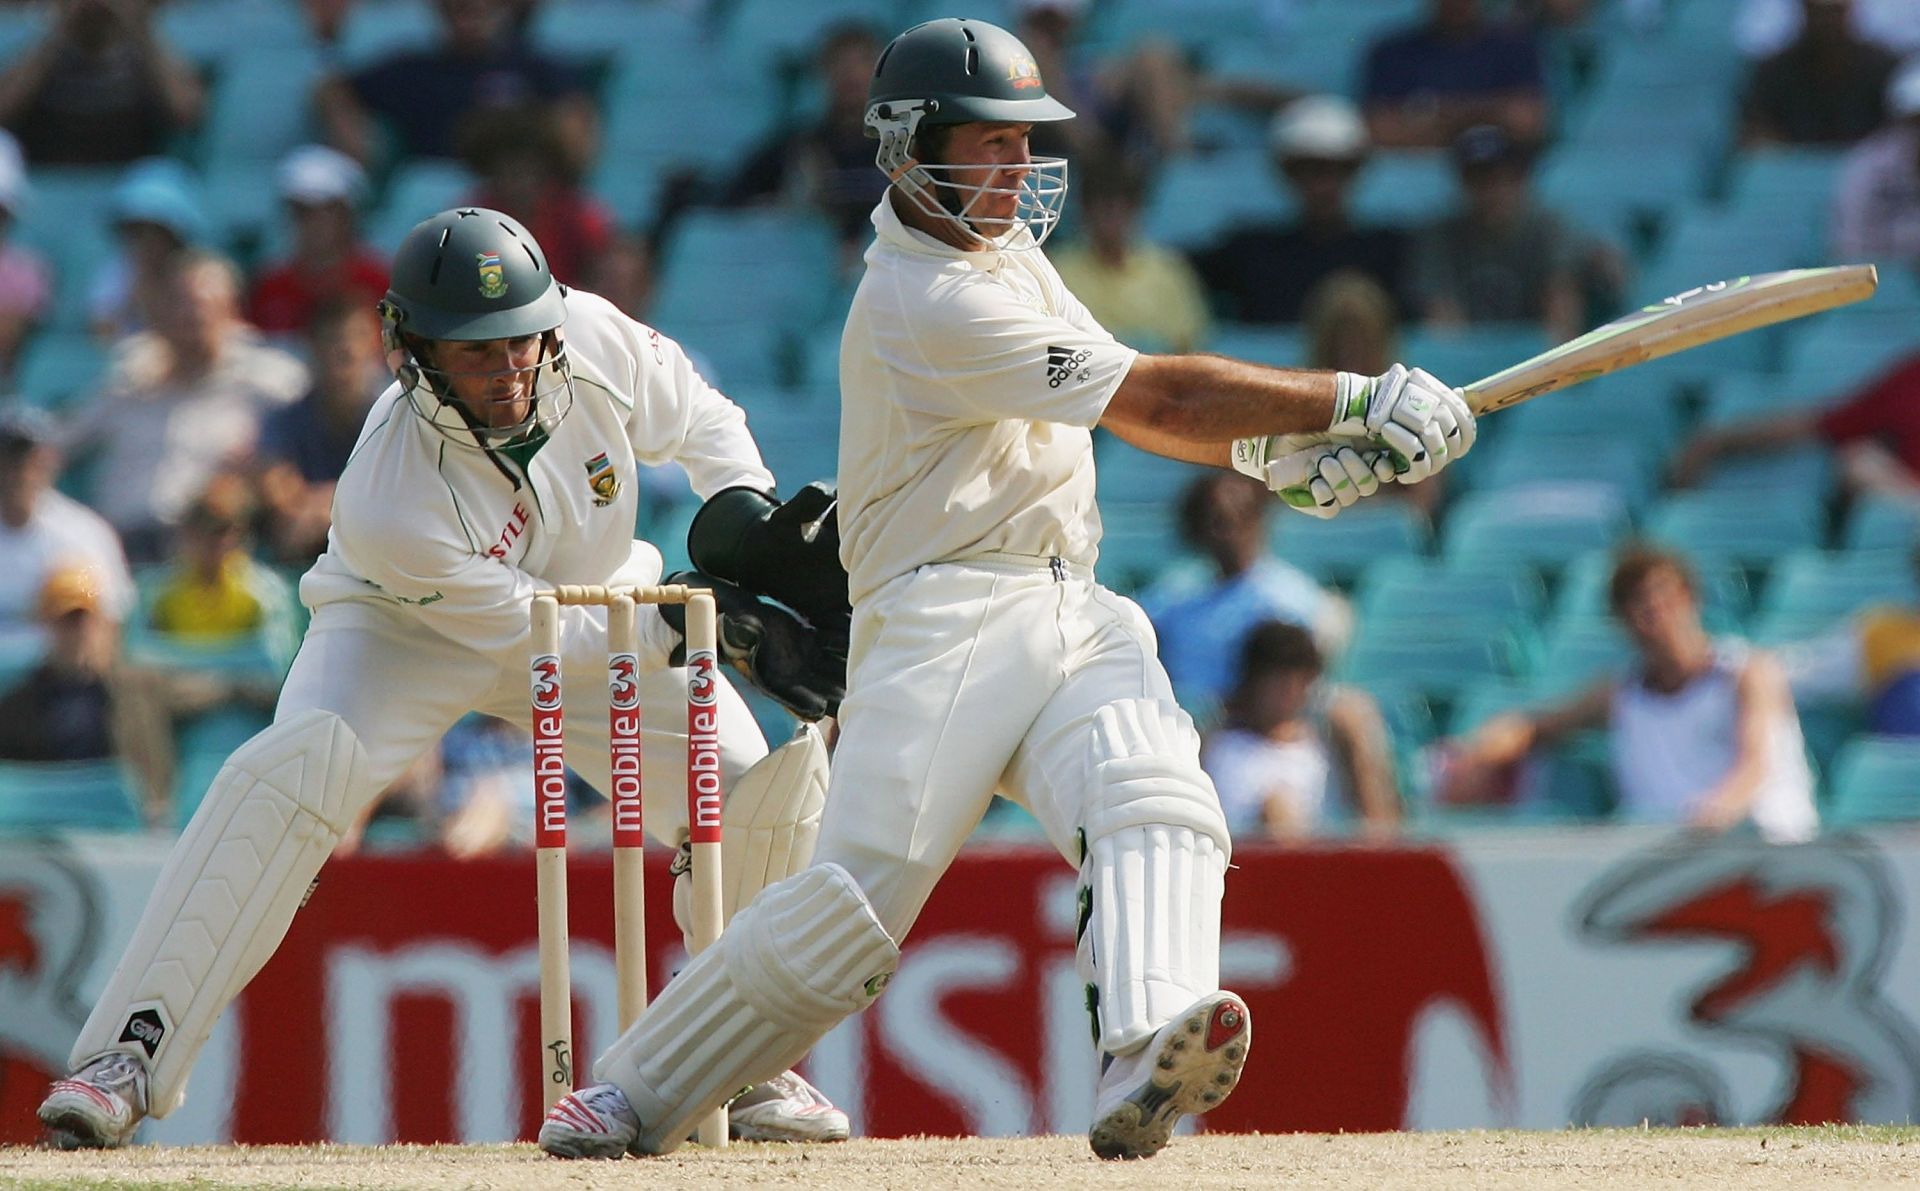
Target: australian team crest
x=600, y=477
x=493, y=275
x=1022, y=73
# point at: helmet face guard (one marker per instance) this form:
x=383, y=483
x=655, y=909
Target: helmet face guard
x=474, y=275
x=956, y=71
x=935, y=189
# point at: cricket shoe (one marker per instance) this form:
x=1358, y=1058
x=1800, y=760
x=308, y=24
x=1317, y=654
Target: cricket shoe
x=97, y=1107
x=1189, y=1066
x=786, y=1108
x=594, y=1122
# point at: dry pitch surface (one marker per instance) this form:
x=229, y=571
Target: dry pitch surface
x=1744, y=1158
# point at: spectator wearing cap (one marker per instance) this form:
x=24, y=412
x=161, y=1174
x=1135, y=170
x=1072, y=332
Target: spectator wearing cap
x=305, y=446
x=1263, y=274
x=1145, y=293
x=1504, y=258
x=1828, y=87
x=100, y=88
x=322, y=189
x=42, y=531
x=63, y=708
x=180, y=404
x=1876, y=205
x=1425, y=85
x=26, y=285
x=423, y=96
x=157, y=215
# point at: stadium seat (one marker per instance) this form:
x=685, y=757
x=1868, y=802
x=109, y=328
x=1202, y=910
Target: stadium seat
x=59, y=367
x=1406, y=188
x=418, y=188
x=1489, y=598
x=1550, y=528
x=1816, y=585
x=374, y=31
x=259, y=108
x=1882, y=523
x=21, y=26
x=1339, y=550
x=1462, y=357
x=1791, y=186
x=594, y=31
x=1438, y=665
x=770, y=37
x=1280, y=347
x=1196, y=25
x=1875, y=779
x=1139, y=543
x=1751, y=527
x=1517, y=462
x=1197, y=200
x=1835, y=355
x=1623, y=192
x=759, y=265
x=1625, y=406
x=47, y=796
x=730, y=353
x=1576, y=655
x=202, y=745
x=1123, y=473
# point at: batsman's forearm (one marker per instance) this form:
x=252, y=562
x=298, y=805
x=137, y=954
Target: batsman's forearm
x=1213, y=399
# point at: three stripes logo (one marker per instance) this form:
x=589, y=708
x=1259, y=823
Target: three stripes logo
x=1062, y=362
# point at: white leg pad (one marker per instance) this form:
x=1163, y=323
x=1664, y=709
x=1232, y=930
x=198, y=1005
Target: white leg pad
x=803, y=955
x=226, y=896
x=1152, y=871
x=768, y=826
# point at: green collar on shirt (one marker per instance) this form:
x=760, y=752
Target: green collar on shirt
x=522, y=450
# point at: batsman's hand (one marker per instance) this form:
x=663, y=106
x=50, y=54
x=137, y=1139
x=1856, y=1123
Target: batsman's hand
x=1421, y=423
x=771, y=647
x=1313, y=473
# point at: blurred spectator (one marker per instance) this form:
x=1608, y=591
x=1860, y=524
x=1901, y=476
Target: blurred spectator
x=305, y=446
x=1702, y=732
x=1504, y=258
x=26, y=284
x=827, y=164
x=327, y=260
x=485, y=798
x=1876, y=430
x=1427, y=84
x=1223, y=515
x=1763, y=27
x=100, y=88
x=1827, y=88
x=623, y=275
x=327, y=22
x=157, y=215
x=1876, y=208
x=421, y=96
x=63, y=709
x=1146, y=294
x=1291, y=747
x=526, y=172
x=43, y=531
x=1263, y=274
x=180, y=404
x=1872, y=658
x=1134, y=103
x=213, y=591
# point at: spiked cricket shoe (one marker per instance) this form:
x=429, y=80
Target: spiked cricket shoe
x=594, y=1122
x=1189, y=1066
x=97, y=1107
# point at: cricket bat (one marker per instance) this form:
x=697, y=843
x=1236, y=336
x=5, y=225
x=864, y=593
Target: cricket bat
x=1671, y=325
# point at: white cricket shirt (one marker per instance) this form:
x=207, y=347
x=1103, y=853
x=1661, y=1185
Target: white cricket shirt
x=970, y=383
x=462, y=538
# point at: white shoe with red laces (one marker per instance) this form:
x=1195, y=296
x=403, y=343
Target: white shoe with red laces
x=97, y=1107
x=1190, y=1065
x=594, y=1122
x=786, y=1108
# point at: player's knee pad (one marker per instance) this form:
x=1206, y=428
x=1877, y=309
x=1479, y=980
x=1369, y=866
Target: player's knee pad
x=768, y=826
x=803, y=955
x=1154, y=852
x=227, y=894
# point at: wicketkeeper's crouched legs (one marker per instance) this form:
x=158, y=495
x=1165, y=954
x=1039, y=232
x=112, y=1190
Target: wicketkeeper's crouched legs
x=227, y=894
x=805, y=954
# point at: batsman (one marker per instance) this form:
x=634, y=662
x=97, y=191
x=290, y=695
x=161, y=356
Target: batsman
x=501, y=461
x=984, y=655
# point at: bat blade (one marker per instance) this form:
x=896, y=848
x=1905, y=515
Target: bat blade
x=1673, y=325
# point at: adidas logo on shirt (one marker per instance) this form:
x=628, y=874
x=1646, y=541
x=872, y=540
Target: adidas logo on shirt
x=1061, y=363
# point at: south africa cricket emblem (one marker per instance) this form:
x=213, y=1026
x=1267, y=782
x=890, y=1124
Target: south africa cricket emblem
x=493, y=275
x=600, y=477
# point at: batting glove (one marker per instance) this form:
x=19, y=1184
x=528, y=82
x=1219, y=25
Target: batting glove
x=1421, y=423
x=1311, y=473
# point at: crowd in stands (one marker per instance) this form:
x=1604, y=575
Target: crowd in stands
x=1688, y=594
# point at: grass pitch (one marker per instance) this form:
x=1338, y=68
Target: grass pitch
x=1840, y=1156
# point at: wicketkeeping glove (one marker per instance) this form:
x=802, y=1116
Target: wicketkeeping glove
x=1419, y=421
x=770, y=646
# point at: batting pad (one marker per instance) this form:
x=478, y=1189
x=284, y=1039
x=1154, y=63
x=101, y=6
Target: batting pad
x=226, y=896
x=1152, y=873
x=768, y=826
x=800, y=957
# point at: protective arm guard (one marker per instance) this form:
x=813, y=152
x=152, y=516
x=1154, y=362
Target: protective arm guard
x=788, y=552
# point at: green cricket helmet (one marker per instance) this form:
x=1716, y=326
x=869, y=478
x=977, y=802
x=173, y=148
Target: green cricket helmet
x=958, y=71
x=469, y=274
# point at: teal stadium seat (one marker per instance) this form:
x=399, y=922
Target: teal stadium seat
x=1406, y=188
x=1793, y=186
x=374, y=31
x=21, y=26
x=1139, y=543
x=60, y=368
x=66, y=219
x=420, y=186
x=1198, y=200
x=593, y=32
x=1623, y=407
x=1439, y=665
x=1617, y=466
x=1279, y=347
x=202, y=745
x=1835, y=354
x=1882, y=523
x=1490, y=598
x=1196, y=25
x=1462, y=357
x=1341, y=549
x=756, y=266
x=80, y=795
x=769, y=37
x=1875, y=780
x=1576, y=655
x=259, y=108
x=1749, y=526
x=1624, y=192
x=1546, y=530
x=1810, y=591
